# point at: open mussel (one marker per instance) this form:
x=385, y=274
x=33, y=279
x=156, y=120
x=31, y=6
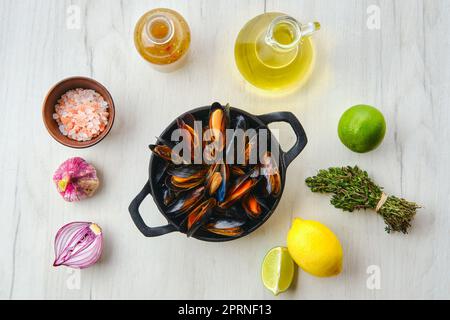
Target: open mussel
x=225, y=175
x=254, y=205
x=187, y=171
x=214, y=182
x=190, y=135
x=236, y=142
x=187, y=177
x=226, y=227
x=240, y=188
x=237, y=171
x=186, y=201
x=226, y=222
x=217, y=180
x=198, y=214
x=183, y=184
x=164, y=150
x=271, y=174
x=218, y=122
x=216, y=133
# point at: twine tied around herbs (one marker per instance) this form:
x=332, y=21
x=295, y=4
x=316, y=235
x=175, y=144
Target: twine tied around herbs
x=382, y=201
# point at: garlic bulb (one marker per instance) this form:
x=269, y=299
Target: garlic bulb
x=76, y=179
x=78, y=245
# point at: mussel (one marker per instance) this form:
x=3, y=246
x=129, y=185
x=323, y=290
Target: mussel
x=254, y=205
x=271, y=174
x=237, y=140
x=241, y=187
x=164, y=150
x=198, y=214
x=185, y=177
x=226, y=227
x=169, y=196
x=186, y=201
x=187, y=124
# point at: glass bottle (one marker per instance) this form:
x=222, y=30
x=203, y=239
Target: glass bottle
x=274, y=51
x=162, y=37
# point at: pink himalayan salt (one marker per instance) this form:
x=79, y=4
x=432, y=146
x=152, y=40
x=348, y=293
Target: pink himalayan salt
x=81, y=114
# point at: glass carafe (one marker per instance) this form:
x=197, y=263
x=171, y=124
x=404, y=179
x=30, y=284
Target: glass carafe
x=162, y=37
x=274, y=52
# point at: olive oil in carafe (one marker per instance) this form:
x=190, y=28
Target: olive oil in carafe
x=274, y=52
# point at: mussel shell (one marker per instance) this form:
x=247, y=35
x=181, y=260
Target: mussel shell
x=186, y=201
x=169, y=196
x=226, y=222
x=198, y=215
x=165, y=152
x=162, y=151
x=241, y=187
x=237, y=171
x=213, y=183
x=188, y=119
x=173, y=183
x=187, y=171
x=164, y=142
x=228, y=232
x=239, y=123
x=225, y=175
x=188, y=123
x=273, y=185
x=271, y=174
x=254, y=206
x=219, y=117
x=251, y=150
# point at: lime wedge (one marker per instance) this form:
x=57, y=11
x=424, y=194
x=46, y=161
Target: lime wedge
x=277, y=270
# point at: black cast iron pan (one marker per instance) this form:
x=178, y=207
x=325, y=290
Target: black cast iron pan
x=156, y=165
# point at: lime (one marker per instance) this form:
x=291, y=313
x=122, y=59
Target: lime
x=362, y=128
x=277, y=270
x=315, y=248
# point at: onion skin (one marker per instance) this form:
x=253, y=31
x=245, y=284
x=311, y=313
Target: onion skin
x=78, y=245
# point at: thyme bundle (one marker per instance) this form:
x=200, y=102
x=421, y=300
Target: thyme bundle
x=354, y=190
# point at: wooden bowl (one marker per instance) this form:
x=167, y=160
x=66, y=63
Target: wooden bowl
x=55, y=93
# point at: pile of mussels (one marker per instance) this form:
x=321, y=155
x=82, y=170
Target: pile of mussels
x=217, y=195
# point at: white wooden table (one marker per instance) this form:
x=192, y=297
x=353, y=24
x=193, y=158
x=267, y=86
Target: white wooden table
x=402, y=68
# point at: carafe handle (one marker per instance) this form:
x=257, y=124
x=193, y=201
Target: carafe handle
x=297, y=30
x=309, y=29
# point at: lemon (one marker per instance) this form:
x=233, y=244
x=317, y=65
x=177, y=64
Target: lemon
x=362, y=128
x=315, y=248
x=277, y=270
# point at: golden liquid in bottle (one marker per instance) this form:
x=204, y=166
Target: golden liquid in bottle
x=264, y=67
x=162, y=36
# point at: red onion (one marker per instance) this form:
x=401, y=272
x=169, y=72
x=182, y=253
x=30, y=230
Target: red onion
x=78, y=245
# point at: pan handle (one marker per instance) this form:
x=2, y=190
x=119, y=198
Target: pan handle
x=139, y=222
x=290, y=118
